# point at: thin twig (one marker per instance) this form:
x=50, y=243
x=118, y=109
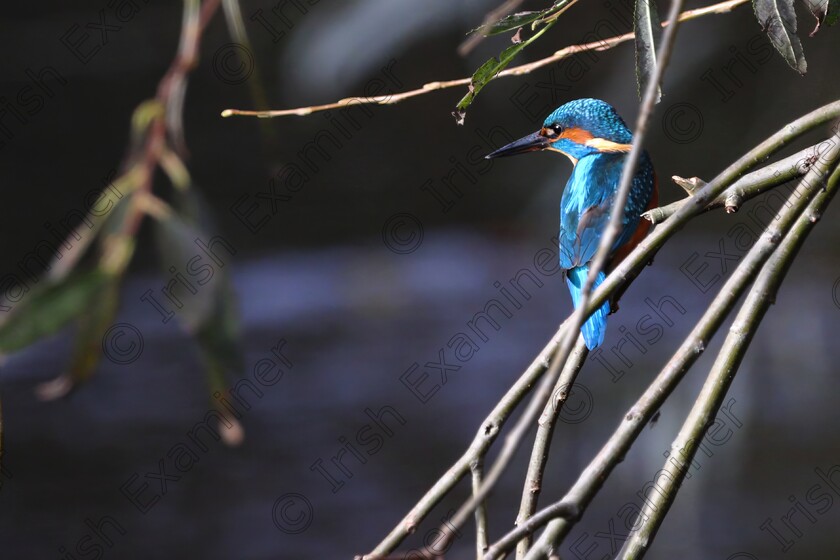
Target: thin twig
x=557, y=510
x=745, y=188
x=602, y=45
x=726, y=365
x=542, y=441
x=591, y=479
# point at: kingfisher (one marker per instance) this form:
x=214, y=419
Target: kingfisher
x=595, y=138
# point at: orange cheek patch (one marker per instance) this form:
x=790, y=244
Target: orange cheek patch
x=577, y=135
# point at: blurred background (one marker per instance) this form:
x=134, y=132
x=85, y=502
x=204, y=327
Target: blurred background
x=357, y=263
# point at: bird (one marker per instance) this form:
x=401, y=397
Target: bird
x=597, y=141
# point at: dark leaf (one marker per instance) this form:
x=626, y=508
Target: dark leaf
x=833, y=12
x=509, y=23
x=824, y=11
x=521, y=19
x=778, y=19
x=50, y=306
x=194, y=209
x=488, y=71
x=647, y=28
x=93, y=325
x=219, y=335
x=222, y=354
x=192, y=277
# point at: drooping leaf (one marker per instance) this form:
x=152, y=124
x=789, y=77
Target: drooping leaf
x=647, y=28
x=193, y=276
x=824, y=11
x=222, y=354
x=50, y=306
x=219, y=335
x=490, y=69
x=521, y=19
x=778, y=19
x=509, y=23
x=194, y=208
x=93, y=325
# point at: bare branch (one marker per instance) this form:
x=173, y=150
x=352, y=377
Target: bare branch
x=744, y=327
x=745, y=188
x=602, y=45
x=610, y=455
x=545, y=430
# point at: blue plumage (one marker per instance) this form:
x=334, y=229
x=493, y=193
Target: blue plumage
x=595, y=327
x=597, y=141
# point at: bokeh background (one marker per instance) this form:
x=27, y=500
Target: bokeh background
x=362, y=273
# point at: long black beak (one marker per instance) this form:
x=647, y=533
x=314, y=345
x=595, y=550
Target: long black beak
x=531, y=143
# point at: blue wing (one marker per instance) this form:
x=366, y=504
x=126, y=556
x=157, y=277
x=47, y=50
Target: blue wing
x=587, y=203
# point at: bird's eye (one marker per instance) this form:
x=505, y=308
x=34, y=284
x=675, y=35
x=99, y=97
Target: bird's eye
x=557, y=129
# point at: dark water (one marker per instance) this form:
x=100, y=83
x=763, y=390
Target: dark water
x=353, y=320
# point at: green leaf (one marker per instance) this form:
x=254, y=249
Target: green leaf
x=833, y=12
x=647, y=28
x=93, y=324
x=509, y=23
x=50, y=306
x=824, y=11
x=219, y=336
x=488, y=71
x=92, y=327
x=778, y=19
x=222, y=354
x=192, y=278
x=521, y=19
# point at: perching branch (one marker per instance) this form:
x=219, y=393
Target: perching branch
x=591, y=479
x=602, y=45
x=746, y=323
x=628, y=171
x=543, y=392
x=632, y=263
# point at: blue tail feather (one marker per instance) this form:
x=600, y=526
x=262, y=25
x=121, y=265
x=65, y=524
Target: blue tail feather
x=596, y=326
